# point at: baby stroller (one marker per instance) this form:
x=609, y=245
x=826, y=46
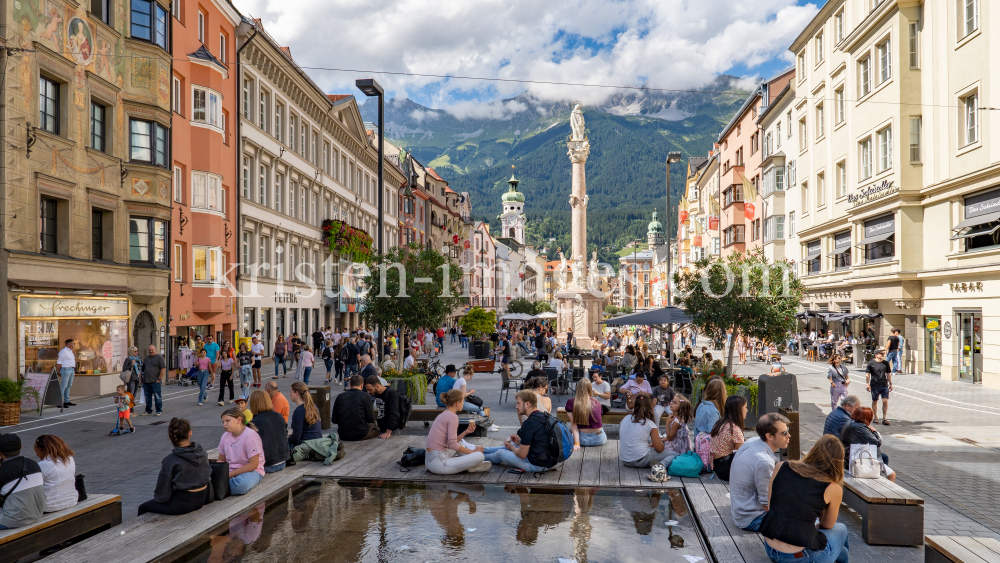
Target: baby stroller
x=189, y=378
x=759, y=353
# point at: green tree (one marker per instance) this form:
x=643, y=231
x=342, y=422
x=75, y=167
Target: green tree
x=744, y=292
x=626, y=310
x=479, y=322
x=521, y=305
x=611, y=310
x=394, y=299
x=543, y=307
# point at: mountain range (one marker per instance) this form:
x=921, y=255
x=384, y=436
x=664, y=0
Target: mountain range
x=630, y=134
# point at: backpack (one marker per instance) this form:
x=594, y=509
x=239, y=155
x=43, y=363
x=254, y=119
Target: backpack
x=560, y=440
x=405, y=406
x=688, y=464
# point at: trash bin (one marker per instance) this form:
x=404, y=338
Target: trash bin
x=321, y=398
x=777, y=391
x=482, y=349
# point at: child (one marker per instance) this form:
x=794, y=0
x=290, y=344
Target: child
x=663, y=394
x=241, y=403
x=246, y=371
x=123, y=402
x=681, y=413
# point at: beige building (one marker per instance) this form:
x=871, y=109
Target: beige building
x=893, y=220
x=779, y=198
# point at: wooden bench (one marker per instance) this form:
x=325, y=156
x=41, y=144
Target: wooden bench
x=613, y=416
x=890, y=515
x=427, y=413
x=97, y=513
x=728, y=542
x=959, y=549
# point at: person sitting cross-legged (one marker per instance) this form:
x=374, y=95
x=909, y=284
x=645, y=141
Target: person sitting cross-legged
x=446, y=453
x=354, y=413
x=528, y=449
x=639, y=441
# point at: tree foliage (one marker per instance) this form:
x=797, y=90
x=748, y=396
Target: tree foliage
x=521, y=305
x=479, y=322
x=611, y=310
x=543, y=307
x=745, y=293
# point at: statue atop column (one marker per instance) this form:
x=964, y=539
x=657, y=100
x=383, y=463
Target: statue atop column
x=576, y=122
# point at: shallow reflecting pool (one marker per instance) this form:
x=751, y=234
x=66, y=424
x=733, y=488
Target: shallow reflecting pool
x=391, y=521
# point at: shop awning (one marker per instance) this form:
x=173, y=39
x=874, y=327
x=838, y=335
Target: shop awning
x=838, y=251
x=875, y=238
x=68, y=286
x=812, y=255
x=978, y=220
x=984, y=228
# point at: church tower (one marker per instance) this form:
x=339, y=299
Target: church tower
x=654, y=233
x=512, y=218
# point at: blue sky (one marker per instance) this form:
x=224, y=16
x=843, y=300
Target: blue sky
x=681, y=44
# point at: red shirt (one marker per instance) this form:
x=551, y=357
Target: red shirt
x=440, y=333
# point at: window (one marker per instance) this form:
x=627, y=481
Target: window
x=98, y=127
x=222, y=47
x=839, y=25
x=733, y=235
x=865, y=149
x=802, y=134
x=819, y=48
x=303, y=194
x=206, y=192
x=279, y=190
x=315, y=148
x=801, y=66
x=774, y=228
x=915, y=123
x=732, y=194
x=291, y=198
x=716, y=245
x=209, y=265
x=326, y=158
x=149, y=22
x=246, y=177
x=264, y=103
x=884, y=61
x=265, y=252
x=819, y=121
x=178, y=259
x=865, y=75
x=148, y=142
x=178, y=184
x=96, y=234
x=838, y=97
x=175, y=103
x=147, y=241
x=842, y=251
x=292, y=122
x=247, y=89
x=279, y=110
x=970, y=9
x=841, y=179
x=914, y=44
x=207, y=107
x=246, y=253
x=791, y=224
x=48, y=105
x=885, y=149
x=788, y=116
x=101, y=10
x=805, y=197
x=820, y=190
x=812, y=258
x=970, y=119
x=201, y=26
x=265, y=175
x=777, y=133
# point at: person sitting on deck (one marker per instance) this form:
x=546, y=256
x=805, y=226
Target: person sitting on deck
x=663, y=394
x=527, y=450
x=354, y=413
x=727, y=435
x=386, y=403
x=602, y=391
x=241, y=447
x=586, y=423
x=461, y=384
x=678, y=439
x=753, y=465
x=444, y=441
x=633, y=387
x=184, y=475
x=639, y=441
x=272, y=429
x=444, y=384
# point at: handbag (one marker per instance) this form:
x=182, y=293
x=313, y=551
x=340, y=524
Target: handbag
x=864, y=466
x=412, y=457
x=220, y=479
x=81, y=489
x=474, y=400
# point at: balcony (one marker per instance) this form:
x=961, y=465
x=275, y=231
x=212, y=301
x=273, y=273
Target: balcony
x=208, y=301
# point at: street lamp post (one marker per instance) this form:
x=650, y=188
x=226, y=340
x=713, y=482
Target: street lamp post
x=672, y=156
x=374, y=89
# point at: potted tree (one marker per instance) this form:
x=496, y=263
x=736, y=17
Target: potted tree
x=477, y=323
x=11, y=394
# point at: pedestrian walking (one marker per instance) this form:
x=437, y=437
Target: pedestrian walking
x=839, y=378
x=245, y=359
x=278, y=354
x=878, y=380
x=154, y=373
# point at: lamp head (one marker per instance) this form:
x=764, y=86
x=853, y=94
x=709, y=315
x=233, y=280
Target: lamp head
x=371, y=88
x=673, y=156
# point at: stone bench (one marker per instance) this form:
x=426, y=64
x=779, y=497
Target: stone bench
x=97, y=513
x=613, y=416
x=427, y=413
x=960, y=549
x=890, y=515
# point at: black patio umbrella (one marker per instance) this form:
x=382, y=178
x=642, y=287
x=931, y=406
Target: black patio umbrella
x=663, y=319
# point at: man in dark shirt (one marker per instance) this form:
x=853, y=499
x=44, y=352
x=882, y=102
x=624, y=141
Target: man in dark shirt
x=367, y=367
x=354, y=414
x=535, y=371
x=893, y=354
x=386, y=405
x=317, y=341
x=527, y=450
x=154, y=372
x=878, y=380
x=21, y=485
x=540, y=347
x=353, y=357
x=839, y=416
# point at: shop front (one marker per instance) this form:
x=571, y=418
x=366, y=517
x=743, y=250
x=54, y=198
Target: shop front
x=99, y=326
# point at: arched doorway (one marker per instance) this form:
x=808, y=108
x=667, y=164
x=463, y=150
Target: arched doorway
x=144, y=332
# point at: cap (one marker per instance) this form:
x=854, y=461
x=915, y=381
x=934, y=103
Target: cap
x=450, y=369
x=10, y=444
x=241, y=398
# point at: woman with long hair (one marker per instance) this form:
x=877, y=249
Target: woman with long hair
x=678, y=438
x=585, y=419
x=55, y=458
x=639, y=442
x=710, y=407
x=444, y=441
x=628, y=361
x=305, y=419
x=271, y=428
x=241, y=447
x=800, y=493
x=741, y=348
x=727, y=435
x=839, y=378
x=859, y=430
x=225, y=367
x=182, y=484
x=280, y=349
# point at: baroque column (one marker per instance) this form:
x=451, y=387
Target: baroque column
x=578, y=152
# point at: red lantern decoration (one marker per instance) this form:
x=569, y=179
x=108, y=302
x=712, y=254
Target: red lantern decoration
x=749, y=210
x=466, y=245
x=454, y=239
x=684, y=215
x=696, y=240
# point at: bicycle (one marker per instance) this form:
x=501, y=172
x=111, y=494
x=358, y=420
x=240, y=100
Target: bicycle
x=515, y=366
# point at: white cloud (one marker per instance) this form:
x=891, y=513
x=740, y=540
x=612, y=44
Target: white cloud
x=420, y=115
x=677, y=44
x=492, y=110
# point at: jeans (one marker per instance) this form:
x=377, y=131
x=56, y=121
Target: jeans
x=837, y=392
x=896, y=360
x=523, y=347
x=280, y=361
x=754, y=525
x=152, y=392
x=449, y=462
x=465, y=342
x=453, y=336
x=503, y=455
x=66, y=376
x=350, y=370
x=246, y=378
x=591, y=439
x=469, y=407
x=274, y=468
x=306, y=371
x=836, y=550
x=329, y=367
x=242, y=483
x=202, y=385
x=658, y=411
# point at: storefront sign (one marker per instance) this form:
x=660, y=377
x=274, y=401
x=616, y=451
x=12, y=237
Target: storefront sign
x=931, y=325
x=965, y=287
x=880, y=226
x=58, y=307
x=749, y=210
x=872, y=193
x=947, y=330
x=982, y=204
x=713, y=222
x=285, y=297
x=843, y=240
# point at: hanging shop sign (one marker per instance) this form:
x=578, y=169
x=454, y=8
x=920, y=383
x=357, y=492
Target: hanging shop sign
x=713, y=223
x=872, y=193
x=947, y=330
x=684, y=216
x=748, y=210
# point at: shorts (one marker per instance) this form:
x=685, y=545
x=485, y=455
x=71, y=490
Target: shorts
x=256, y=364
x=882, y=390
x=124, y=414
x=505, y=360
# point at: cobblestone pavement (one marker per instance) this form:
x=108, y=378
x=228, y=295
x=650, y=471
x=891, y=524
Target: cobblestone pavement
x=943, y=442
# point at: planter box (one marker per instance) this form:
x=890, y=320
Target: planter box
x=413, y=387
x=753, y=411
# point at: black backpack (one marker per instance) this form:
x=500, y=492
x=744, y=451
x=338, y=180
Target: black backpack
x=405, y=406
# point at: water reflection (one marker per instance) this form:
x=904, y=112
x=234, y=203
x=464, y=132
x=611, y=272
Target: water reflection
x=396, y=522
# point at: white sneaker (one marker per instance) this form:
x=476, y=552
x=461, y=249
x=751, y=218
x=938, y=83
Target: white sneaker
x=467, y=445
x=493, y=428
x=484, y=466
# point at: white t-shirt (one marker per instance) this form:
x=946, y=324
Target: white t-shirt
x=459, y=383
x=257, y=349
x=633, y=439
x=408, y=362
x=67, y=359
x=59, y=483
x=558, y=364
x=602, y=387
